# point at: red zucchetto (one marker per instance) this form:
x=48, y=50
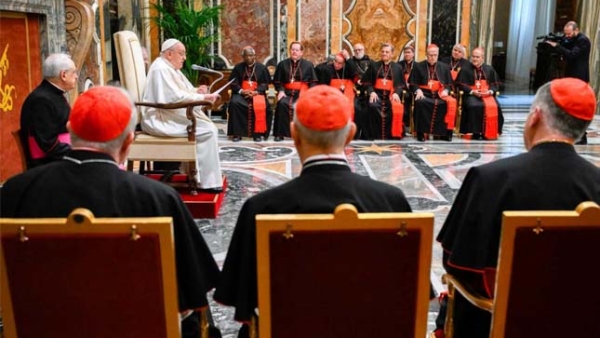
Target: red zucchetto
x=101, y=114
x=323, y=108
x=575, y=97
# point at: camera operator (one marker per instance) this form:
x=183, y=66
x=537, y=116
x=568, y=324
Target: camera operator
x=575, y=49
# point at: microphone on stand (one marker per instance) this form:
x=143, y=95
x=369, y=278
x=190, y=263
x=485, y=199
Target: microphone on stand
x=204, y=69
x=208, y=70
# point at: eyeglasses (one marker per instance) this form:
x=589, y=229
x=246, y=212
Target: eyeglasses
x=183, y=54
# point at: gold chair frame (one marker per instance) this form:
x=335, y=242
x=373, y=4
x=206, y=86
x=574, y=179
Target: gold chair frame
x=514, y=223
x=345, y=218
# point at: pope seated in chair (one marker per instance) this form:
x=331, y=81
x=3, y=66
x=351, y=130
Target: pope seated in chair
x=167, y=84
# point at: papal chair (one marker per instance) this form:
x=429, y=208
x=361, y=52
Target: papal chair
x=83, y=276
x=132, y=73
x=345, y=274
x=546, y=274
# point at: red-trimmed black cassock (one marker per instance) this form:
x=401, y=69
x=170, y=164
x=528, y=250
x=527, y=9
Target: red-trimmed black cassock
x=342, y=79
x=408, y=98
x=481, y=116
x=93, y=180
x=249, y=115
x=455, y=65
x=551, y=176
x=431, y=114
x=385, y=116
x=292, y=77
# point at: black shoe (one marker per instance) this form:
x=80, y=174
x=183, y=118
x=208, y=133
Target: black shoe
x=257, y=138
x=278, y=138
x=420, y=137
x=583, y=140
x=236, y=138
x=448, y=137
x=211, y=190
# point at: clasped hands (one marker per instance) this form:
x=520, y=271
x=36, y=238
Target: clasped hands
x=374, y=98
x=419, y=94
x=480, y=93
x=248, y=93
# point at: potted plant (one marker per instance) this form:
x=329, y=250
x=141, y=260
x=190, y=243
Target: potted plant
x=196, y=29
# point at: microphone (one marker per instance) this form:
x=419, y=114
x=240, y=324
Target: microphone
x=204, y=69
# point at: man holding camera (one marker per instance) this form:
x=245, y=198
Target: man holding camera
x=575, y=49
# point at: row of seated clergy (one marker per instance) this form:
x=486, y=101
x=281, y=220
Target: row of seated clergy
x=480, y=114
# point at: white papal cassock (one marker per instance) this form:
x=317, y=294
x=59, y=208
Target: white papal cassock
x=166, y=84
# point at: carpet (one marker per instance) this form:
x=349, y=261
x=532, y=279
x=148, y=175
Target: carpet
x=201, y=205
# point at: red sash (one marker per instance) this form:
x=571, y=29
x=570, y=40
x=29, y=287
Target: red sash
x=454, y=74
x=490, y=111
x=296, y=85
x=36, y=152
x=433, y=85
x=259, y=105
x=397, y=107
x=347, y=88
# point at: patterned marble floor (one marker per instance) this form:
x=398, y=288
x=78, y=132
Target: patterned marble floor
x=429, y=173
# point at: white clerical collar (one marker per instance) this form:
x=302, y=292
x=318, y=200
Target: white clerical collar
x=320, y=157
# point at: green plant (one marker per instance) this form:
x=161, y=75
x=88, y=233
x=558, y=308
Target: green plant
x=197, y=30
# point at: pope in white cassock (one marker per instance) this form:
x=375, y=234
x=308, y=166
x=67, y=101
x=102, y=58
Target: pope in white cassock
x=167, y=84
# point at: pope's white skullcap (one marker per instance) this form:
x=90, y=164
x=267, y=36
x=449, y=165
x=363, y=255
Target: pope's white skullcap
x=168, y=44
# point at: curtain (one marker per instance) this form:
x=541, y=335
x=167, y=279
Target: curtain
x=588, y=12
x=528, y=19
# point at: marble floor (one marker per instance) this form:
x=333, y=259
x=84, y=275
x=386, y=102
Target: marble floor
x=429, y=173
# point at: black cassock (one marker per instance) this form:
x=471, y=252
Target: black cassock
x=241, y=117
x=289, y=73
x=472, y=118
x=408, y=97
x=551, y=176
x=430, y=112
x=320, y=188
x=99, y=185
x=380, y=112
x=361, y=102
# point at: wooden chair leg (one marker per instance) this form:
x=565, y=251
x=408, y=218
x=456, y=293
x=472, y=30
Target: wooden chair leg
x=204, y=323
x=449, y=324
x=192, y=178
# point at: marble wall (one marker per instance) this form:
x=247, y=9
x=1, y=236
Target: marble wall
x=52, y=25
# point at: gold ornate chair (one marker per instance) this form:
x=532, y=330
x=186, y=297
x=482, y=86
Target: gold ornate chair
x=344, y=274
x=545, y=276
x=147, y=147
x=86, y=276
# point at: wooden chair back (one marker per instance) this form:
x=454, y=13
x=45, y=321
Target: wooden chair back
x=22, y=146
x=86, y=276
x=344, y=274
x=545, y=267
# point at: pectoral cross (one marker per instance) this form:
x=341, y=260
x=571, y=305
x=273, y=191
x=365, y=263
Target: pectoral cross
x=478, y=84
x=430, y=83
x=384, y=82
x=342, y=88
x=292, y=80
x=250, y=83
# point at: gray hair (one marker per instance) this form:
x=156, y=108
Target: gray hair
x=323, y=139
x=461, y=47
x=116, y=143
x=558, y=120
x=56, y=63
x=248, y=49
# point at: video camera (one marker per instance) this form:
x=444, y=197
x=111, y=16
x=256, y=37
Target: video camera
x=555, y=37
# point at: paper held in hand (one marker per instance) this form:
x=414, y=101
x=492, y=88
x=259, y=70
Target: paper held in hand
x=222, y=87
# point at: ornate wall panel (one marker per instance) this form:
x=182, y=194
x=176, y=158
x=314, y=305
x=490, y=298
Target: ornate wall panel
x=443, y=25
x=374, y=22
x=20, y=73
x=247, y=23
x=313, y=27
